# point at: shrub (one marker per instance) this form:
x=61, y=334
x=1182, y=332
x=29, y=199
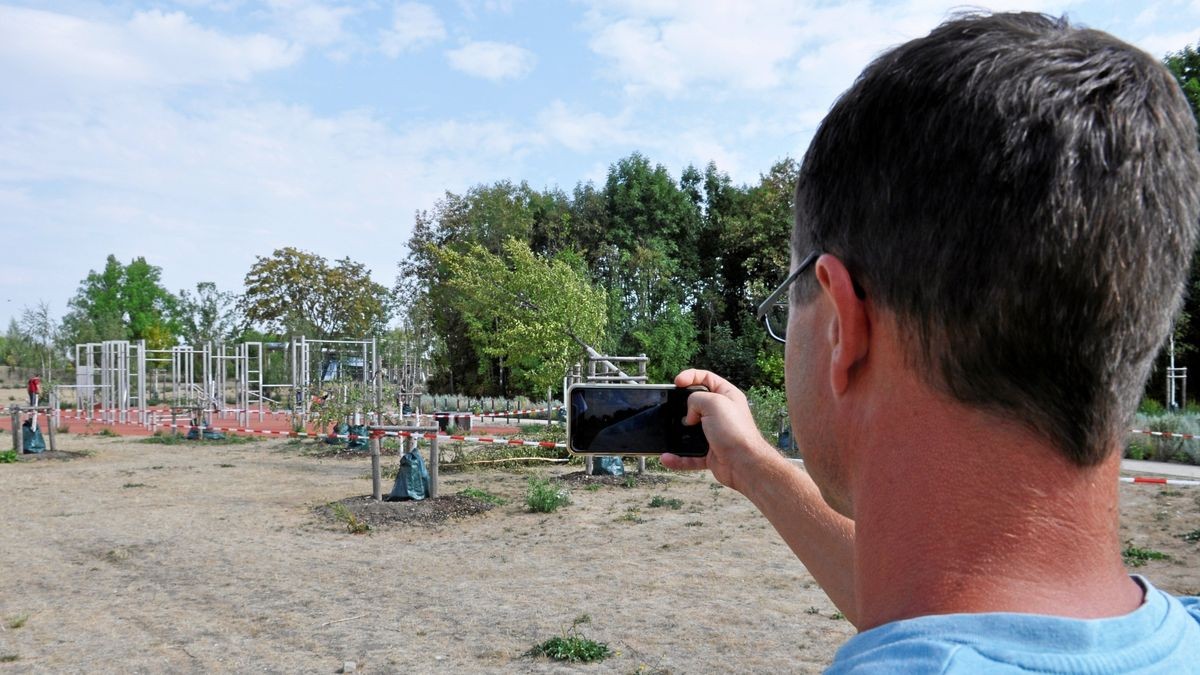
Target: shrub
x=572, y=646
x=1150, y=407
x=659, y=501
x=769, y=407
x=544, y=497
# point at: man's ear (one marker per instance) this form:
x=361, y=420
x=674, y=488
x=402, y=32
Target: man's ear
x=849, y=328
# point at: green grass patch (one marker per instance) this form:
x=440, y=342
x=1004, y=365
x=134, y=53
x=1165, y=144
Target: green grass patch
x=167, y=438
x=542, y=497
x=483, y=496
x=15, y=622
x=1136, y=557
x=1192, y=536
x=572, y=646
x=658, y=502
x=108, y=433
x=8, y=457
x=593, y=487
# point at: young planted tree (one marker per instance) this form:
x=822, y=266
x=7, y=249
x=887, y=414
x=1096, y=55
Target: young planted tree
x=534, y=313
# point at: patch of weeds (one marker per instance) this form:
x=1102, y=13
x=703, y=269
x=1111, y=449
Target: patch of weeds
x=134, y=485
x=693, y=523
x=156, y=468
x=716, y=486
x=108, y=433
x=1136, y=557
x=353, y=524
x=9, y=658
x=543, y=497
x=632, y=515
x=837, y=616
x=1192, y=536
x=483, y=496
x=64, y=429
x=225, y=466
x=812, y=610
x=573, y=646
x=592, y=487
x=1161, y=516
x=630, y=481
x=8, y=457
x=658, y=501
x=1169, y=493
x=15, y=622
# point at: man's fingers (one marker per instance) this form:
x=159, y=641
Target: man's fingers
x=710, y=381
x=678, y=463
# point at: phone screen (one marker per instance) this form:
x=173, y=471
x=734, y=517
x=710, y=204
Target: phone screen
x=632, y=420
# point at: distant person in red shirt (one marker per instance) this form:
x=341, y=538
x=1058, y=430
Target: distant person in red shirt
x=35, y=390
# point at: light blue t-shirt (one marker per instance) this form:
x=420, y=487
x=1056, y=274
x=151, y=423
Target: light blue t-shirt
x=1161, y=636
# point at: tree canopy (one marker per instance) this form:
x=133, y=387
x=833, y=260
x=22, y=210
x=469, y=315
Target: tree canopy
x=293, y=291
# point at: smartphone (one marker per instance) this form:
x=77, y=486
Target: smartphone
x=632, y=419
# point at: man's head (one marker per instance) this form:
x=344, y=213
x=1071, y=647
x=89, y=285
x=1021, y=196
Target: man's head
x=1023, y=196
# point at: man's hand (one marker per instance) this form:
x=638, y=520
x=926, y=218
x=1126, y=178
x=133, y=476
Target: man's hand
x=736, y=449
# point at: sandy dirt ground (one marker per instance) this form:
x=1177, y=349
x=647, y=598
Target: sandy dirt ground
x=152, y=558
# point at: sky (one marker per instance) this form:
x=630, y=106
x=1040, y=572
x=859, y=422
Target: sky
x=201, y=134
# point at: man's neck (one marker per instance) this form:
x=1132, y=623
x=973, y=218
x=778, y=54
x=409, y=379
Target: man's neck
x=982, y=517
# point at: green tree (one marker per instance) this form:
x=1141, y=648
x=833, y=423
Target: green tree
x=121, y=303
x=669, y=340
x=534, y=313
x=40, y=329
x=293, y=291
x=1185, y=66
x=209, y=315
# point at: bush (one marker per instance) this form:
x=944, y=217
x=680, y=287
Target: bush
x=1150, y=408
x=769, y=407
x=544, y=497
x=572, y=646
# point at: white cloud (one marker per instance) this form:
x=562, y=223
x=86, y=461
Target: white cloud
x=493, y=61
x=39, y=49
x=312, y=23
x=582, y=131
x=414, y=26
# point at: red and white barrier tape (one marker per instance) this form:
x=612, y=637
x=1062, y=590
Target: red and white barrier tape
x=403, y=434
x=1164, y=434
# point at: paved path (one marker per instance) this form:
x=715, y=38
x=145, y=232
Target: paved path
x=1161, y=468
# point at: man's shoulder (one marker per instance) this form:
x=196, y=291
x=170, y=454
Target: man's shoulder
x=1161, y=636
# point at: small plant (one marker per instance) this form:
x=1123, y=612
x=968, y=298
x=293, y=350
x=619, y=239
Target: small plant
x=108, y=433
x=1136, y=557
x=630, y=481
x=693, y=523
x=1151, y=408
x=837, y=616
x=353, y=524
x=658, y=501
x=134, y=485
x=9, y=658
x=1192, y=536
x=572, y=646
x=8, y=457
x=225, y=466
x=632, y=515
x=544, y=497
x=15, y=622
x=483, y=496
x=592, y=487
x=812, y=610
x=64, y=429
